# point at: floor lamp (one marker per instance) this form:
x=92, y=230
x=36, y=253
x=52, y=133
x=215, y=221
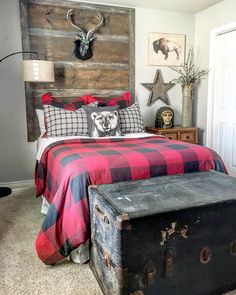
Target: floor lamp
x=34, y=70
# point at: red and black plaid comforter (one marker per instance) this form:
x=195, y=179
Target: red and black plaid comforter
x=67, y=168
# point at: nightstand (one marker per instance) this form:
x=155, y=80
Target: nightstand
x=187, y=134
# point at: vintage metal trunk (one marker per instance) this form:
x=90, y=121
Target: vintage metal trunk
x=170, y=235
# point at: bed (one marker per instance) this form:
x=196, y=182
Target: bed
x=66, y=166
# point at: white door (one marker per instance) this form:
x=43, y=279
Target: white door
x=224, y=101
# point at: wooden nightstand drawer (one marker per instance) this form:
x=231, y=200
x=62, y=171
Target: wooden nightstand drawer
x=187, y=136
x=169, y=135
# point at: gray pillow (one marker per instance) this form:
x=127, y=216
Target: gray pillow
x=103, y=121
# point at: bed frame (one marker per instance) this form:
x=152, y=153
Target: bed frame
x=110, y=71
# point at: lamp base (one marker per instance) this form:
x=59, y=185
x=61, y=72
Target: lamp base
x=5, y=191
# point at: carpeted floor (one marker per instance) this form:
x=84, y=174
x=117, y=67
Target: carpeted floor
x=21, y=272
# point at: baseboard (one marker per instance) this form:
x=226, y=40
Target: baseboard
x=18, y=184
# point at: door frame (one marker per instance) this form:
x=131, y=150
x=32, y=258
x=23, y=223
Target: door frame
x=211, y=78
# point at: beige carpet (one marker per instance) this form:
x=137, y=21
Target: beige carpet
x=21, y=272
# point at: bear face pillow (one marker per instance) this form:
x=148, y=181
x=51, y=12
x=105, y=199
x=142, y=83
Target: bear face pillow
x=103, y=121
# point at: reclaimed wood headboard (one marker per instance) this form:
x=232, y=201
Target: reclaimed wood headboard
x=108, y=73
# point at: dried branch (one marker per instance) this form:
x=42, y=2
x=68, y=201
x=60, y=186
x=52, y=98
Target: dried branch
x=189, y=73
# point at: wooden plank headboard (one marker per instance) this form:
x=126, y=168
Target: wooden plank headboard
x=108, y=73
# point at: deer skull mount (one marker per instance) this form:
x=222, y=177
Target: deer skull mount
x=84, y=40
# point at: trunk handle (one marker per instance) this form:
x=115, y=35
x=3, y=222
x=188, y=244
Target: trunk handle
x=101, y=214
x=205, y=255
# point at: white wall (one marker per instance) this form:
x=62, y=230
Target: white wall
x=148, y=20
x=205, y=21
x=17, y=156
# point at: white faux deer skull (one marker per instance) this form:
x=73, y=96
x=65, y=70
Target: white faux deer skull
x=83, y=40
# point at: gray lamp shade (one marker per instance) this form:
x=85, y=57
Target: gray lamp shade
x=38, y=71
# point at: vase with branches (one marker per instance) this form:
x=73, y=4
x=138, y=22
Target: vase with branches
x=189, y=74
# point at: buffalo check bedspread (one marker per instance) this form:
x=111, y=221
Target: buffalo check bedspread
x=68, y=167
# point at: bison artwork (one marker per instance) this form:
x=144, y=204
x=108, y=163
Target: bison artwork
x=166, y=46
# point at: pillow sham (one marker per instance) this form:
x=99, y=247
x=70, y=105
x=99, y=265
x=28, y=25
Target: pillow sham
x=48, y=99
x=61, y=122
x=131, y=120
x=40, y=116
x=123, y=101
x=103, y=121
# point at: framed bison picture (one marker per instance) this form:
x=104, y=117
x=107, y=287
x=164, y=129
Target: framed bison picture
x=166, y=49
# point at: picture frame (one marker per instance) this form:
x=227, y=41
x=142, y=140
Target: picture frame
x=166, y=49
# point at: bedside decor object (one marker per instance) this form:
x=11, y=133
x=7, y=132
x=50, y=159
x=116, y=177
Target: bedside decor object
x=84, y=40
x=164, y=117
x=158, y=89
x=166, y=49
x=189, y=75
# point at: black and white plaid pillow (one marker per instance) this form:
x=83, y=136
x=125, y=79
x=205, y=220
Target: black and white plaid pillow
x=131, y=120
x=61, y=122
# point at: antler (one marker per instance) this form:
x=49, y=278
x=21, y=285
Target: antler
x=100, y=17
x=80, y=31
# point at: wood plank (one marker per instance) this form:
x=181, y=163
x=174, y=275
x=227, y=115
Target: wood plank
x=32, y=126
x=83, y=5
x=55, y=18
x=132, y=50
x=68, y=95
x=62, y=49
x=93, y=65
x=57, y=33
x=73, y=77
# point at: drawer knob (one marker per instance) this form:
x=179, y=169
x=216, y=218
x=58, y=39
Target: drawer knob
x=205, y=255
x=187, y=136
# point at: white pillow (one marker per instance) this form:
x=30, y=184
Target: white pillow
x=40, y=116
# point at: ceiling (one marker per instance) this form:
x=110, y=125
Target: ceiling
x=188, y=6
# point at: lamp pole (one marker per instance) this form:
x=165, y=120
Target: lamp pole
x=18, y=52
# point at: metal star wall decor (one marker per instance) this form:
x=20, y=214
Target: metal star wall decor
x=158, y=89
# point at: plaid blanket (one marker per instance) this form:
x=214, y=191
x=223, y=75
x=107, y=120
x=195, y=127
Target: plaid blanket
x=67, y=168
